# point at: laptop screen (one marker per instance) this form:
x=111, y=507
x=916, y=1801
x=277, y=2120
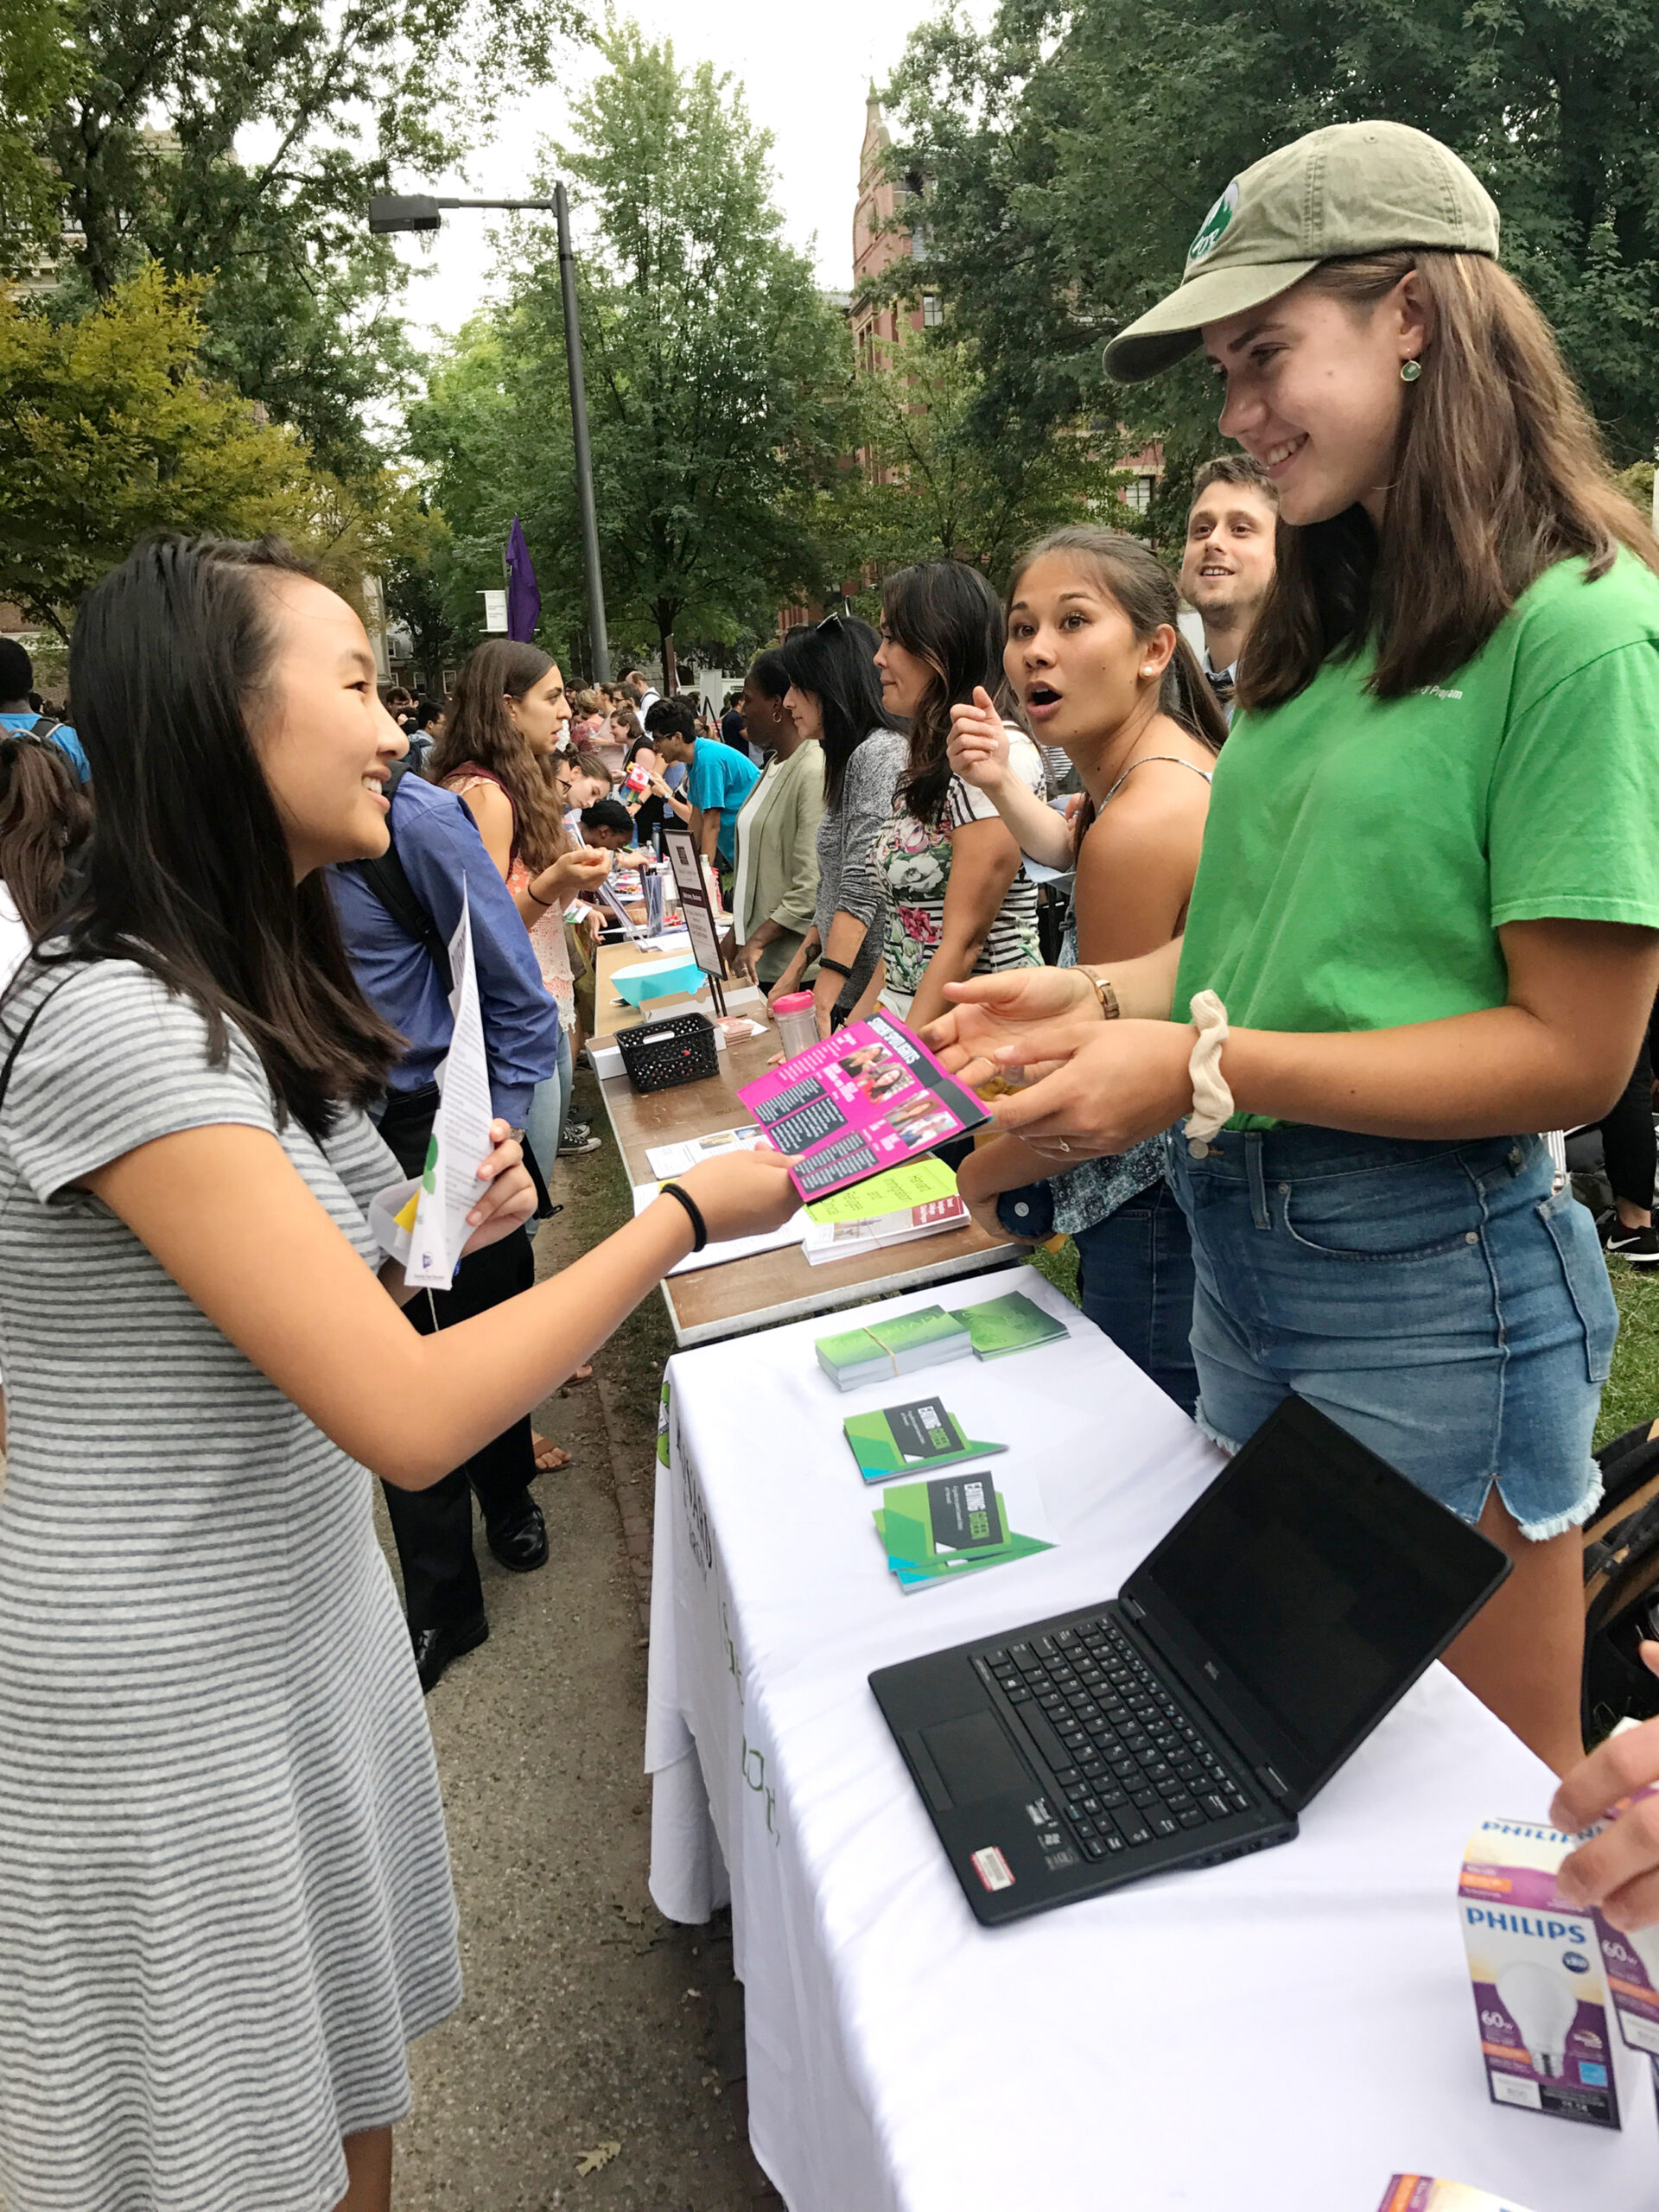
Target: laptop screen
x=1320, y=1579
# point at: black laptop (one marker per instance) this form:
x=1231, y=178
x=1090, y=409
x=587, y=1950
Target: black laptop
x=1191, y=1718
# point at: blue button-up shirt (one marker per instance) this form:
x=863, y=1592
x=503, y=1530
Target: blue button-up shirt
x=439, y=845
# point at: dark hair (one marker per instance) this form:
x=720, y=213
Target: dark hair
x=589, y=765
x=606, y=814
x=17, y=671
x=1499, y=474
x=428, y=711
x=480, y=728
x=834, y=662
x=1239, y=468
x=768, y=675
x=1133, y=575
x=44, y=816
x=187, y=871
x=947, y=614
x=670, y=718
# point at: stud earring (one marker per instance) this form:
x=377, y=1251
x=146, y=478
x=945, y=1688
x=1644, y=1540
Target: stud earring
x=1410, y=370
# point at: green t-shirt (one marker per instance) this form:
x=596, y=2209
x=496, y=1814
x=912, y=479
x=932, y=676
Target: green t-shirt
x=1361, y=853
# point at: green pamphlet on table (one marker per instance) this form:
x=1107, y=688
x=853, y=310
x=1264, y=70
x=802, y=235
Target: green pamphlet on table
x=906, y=1439
x=953, y=1525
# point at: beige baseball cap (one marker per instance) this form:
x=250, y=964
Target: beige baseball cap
x=1351, y=189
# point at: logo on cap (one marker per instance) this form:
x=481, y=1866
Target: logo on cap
x=1214, y=225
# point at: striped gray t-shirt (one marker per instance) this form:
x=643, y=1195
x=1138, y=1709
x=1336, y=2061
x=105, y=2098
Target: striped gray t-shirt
x=224, y=1893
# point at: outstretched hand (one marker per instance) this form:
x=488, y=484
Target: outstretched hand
x=992, y=1019
x=1618, y=1871
x=977, y=748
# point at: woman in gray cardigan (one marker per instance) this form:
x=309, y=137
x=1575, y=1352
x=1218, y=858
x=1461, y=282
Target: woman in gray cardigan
x=835, y=695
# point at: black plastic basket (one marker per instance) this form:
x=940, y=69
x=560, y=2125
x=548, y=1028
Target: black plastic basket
x=659, y=1054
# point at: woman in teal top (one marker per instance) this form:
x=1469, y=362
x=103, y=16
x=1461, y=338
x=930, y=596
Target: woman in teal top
x=1429, y=885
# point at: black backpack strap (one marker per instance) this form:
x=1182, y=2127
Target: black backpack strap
x=385, y=878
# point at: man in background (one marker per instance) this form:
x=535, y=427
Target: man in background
x=397, y=915
x=1229, y=561
x=18, y=713
x=641, y=693
x=718, y=779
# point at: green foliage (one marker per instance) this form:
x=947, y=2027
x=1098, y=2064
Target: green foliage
x=281, y=117
x=935, y=488
x=109, y=430
x=1072, y=148
x=38, y=65
x=719, y=383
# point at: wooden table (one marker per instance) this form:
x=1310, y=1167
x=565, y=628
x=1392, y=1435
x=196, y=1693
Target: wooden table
x=781, y=1285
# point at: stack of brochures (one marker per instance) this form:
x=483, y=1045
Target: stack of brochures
x=1012, y=1323
x=958, y=1524
x=843, y=1240
x=892, y=1346
x=907, y=1439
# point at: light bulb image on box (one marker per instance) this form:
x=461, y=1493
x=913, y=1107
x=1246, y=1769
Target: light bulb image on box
x=1543, y=2004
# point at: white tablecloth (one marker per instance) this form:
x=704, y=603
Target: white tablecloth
x=1279, y=2034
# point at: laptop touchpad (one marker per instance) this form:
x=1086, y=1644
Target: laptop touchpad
x=975, y=1759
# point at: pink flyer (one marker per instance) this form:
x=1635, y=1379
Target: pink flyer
x=856, y=1103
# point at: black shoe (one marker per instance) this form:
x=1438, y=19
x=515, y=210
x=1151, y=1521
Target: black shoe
x=436, y=1647
x=1639, y=1246
x=521, y=1544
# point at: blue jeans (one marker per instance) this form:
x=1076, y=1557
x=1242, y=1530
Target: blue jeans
x=1135, y=1281
x=549, y=1107
x=1435, y=1298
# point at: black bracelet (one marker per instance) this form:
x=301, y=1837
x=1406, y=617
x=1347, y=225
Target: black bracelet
x=836, y=967
x=699, y=1226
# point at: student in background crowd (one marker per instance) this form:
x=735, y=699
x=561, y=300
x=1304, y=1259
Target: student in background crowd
x=1630, y=1156
x=397, y=912
x=959, y=901
x=427, y=727
x=607, y=826
x=505, y=724
x=1228, y=561
x=775, y=882
x=717, y=782
x=220, y=1791
x=732, y=730
x=19, y=712
x=625, y=731
x=1095, y=658
x=652, y=808
x=1428, y=899
x=835, y=696
x=45, y=816
x=640, y=693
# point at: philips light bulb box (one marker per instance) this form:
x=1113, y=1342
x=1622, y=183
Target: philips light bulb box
x=1546, y=2029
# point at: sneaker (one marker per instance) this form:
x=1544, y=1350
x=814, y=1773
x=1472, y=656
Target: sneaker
x=571, y=1147
x=574, y=1131
x=1639, y=1246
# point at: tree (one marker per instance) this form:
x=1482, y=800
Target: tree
x=719, y=377
x=281, y=117
x=1072, y=148
x=935, y=488
x=108, y=431
x=38, y=65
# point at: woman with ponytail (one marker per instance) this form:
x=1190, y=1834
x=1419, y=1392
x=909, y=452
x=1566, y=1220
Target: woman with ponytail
x=1096, y=660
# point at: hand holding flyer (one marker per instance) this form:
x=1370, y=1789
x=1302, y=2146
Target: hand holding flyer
x=858, y=1103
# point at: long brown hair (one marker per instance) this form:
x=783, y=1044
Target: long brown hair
x=1133, y=575
x=44, y=815
x=480, y=728
x=946, y=614
x=1499, y=473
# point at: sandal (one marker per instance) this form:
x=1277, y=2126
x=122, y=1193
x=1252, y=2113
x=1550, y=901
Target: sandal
x=551, y=1458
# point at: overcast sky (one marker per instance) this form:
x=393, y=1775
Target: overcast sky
x=805, y=71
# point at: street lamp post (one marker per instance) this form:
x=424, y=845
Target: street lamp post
x=423, y=213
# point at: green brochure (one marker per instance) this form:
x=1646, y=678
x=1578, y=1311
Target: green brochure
x=892, y=1346
x=1012, y=1323
x=955, y=1524
x=903, y=1439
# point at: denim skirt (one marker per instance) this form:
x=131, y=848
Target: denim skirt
x=1436, y=1299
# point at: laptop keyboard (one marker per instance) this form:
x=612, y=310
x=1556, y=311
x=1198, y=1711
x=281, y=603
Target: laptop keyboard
x=1132, y=1765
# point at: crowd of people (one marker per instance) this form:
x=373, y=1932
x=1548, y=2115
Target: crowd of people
x=1362, y=841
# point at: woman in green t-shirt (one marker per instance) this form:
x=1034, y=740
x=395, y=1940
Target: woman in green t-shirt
x=1423, y=926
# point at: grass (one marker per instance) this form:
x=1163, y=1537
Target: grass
x=1632, y=1391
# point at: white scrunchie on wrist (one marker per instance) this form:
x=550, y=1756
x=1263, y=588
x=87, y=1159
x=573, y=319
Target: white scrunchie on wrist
x=1212, y=1102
